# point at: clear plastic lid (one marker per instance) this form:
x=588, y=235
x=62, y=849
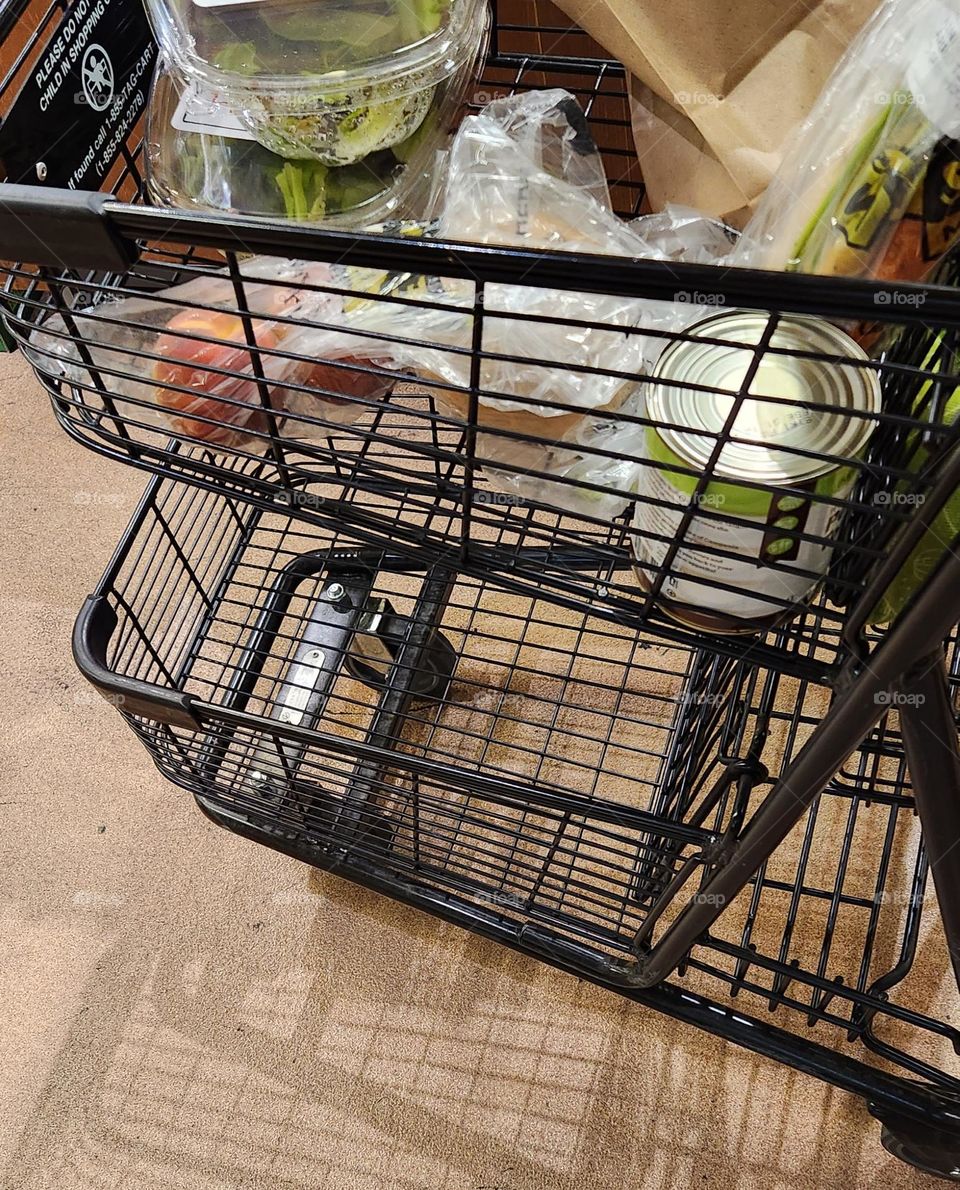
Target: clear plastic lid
x=199, y=155
x=324, y=46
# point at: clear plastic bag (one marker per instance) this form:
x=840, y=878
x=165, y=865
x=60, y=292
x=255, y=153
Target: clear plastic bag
x=550, y=130
x=504, y=187
x=685, y=235
x=179, y=359
x=559, y=372
x=574, y=474
x=856, y=161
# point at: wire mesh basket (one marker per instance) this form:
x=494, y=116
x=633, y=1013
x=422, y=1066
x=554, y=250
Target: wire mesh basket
x=619, y=508
x=554, y=669
x=540, y=774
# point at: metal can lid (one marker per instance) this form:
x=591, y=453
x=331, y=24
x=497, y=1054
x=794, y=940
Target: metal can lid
x=776, y=420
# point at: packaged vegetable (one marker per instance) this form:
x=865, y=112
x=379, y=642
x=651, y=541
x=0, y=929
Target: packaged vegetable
x=940, y=408
x=200, y=156
x=332, y=83
x=921, y=364
x=931, y=222
x=858, y=159
x=179, y=360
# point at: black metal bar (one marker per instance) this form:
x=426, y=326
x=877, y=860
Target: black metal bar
x=384, y=731
x=930, y=742
x=836, y=297
x=91, y=633
x=855, y=711
x=62, y=229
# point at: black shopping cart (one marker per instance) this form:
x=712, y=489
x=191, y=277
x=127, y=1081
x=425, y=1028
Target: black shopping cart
x=363, y=642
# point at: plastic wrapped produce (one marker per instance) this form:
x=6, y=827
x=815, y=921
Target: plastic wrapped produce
x=860, y=156
x=199, y=155
x=179, y=359
x=333, y=83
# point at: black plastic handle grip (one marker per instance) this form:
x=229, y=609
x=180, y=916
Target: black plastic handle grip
x=65, y=229
x=91, y=634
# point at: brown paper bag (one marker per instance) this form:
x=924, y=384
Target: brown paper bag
x=718, y=85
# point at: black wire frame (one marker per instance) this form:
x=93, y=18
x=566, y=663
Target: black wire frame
x=551, y=795
x=329, y=473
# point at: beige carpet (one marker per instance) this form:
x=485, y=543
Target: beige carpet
x=182, y=1009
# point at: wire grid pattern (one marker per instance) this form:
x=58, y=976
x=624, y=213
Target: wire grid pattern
x=435, y=470
x=858, y=890
x=600, y=759
x=433, y=461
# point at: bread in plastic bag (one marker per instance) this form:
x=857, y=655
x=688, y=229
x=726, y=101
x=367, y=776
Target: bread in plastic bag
x=543, y=416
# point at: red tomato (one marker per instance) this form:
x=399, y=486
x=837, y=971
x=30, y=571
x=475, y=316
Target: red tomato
x=186, y=362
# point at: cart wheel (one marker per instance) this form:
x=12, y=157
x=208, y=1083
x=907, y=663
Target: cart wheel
x=943, y=1161
x=437, y=663
x=926, y=1148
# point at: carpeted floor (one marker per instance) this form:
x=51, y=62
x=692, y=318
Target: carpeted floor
x=182, y=1009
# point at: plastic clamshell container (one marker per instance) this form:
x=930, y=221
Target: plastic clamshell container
x=200, y=156
x=329, y=82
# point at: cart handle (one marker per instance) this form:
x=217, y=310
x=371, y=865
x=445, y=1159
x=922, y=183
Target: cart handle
x=78, y=229
x=131, y=696
x=62, y=229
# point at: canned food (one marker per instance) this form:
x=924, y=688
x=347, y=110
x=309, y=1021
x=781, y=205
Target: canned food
x=745, y=553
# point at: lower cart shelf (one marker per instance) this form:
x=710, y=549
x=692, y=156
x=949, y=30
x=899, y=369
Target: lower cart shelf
x=541, y=775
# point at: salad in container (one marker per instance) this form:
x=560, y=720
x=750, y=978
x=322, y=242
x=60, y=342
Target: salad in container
x=200, y=156
x=335, y=82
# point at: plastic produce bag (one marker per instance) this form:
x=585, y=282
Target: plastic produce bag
x=682, y=234
x=504, y=187
x=558, y=377
x=164, y=358
x=857, y=160
x=550, y=130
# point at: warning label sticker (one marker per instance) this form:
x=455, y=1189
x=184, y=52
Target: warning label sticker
x=84, y=96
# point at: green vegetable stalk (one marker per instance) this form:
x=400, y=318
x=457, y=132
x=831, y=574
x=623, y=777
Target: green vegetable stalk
x=237, y=57
x=852, y=225
x=303, y=185
x=945, y=528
